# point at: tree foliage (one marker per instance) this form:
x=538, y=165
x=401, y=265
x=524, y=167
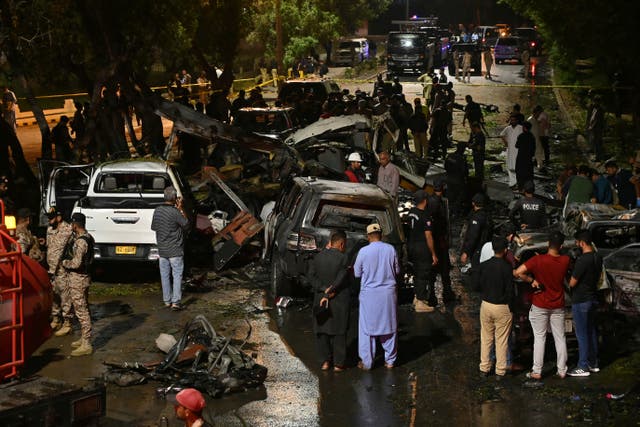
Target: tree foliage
x=599, y=30
x=308, y=23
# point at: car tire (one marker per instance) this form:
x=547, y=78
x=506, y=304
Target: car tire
x=280, y=283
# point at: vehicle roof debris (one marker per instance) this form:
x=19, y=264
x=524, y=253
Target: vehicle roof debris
x=201, y=359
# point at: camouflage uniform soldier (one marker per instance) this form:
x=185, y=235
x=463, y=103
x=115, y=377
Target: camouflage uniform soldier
x=58, y=234
x=28, y=242
x=75, y=262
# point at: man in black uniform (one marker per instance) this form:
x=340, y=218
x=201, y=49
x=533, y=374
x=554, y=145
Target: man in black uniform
x=479, y=230
x=526, y=145
x=438, y=210
x=422, y=253
x=397, y=87
x=529, y=212
x=477, y=143
x=439, y=128
x=328, y=275
x=457, y=173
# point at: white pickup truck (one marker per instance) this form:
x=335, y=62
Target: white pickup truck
x=117, y=198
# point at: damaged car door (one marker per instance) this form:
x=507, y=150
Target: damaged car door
x=61, y=186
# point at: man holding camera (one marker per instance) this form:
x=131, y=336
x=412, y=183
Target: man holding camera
x=170, y=222
x=546, y=274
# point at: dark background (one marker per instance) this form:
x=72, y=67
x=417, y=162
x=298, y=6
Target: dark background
x=450, y=12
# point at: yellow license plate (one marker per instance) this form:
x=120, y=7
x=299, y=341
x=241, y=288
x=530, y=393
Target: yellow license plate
x=125, y=250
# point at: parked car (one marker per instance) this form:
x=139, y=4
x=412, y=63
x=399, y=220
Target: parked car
x=273, y=122
x=351, y=52
x=409, y=53
x=531, y=38
x=507, y=49
x=118, y=199
x=306, y=213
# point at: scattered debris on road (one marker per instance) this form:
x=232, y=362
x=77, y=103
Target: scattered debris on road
x=201, y=359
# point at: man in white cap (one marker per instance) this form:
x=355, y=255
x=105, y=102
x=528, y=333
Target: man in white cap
x=377, y=266
x=189, y=404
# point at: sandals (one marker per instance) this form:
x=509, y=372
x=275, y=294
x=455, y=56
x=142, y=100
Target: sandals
x=533, y=376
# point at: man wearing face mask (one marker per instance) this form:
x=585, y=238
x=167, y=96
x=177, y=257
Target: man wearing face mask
x=584, y=301
x=58, y=234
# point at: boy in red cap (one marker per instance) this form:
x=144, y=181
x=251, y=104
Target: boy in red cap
x=189, y=404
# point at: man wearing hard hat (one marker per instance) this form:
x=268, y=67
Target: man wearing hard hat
x=354, y=172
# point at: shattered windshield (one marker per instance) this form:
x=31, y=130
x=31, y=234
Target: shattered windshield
x=350, y=217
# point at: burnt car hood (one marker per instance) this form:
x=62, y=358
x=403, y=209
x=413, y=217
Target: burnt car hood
x=327, y=126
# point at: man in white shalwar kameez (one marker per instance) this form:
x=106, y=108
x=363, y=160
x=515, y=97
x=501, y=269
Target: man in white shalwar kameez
x=377, y=266
x=509, y=137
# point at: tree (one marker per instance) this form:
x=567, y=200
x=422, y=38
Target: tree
x=587, y=29
x=308, y=23
x=108, y=47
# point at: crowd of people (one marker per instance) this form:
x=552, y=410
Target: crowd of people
x=494, y=270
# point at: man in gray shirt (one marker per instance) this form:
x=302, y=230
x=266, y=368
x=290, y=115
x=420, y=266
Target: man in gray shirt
x=388, y=175
x=170, y=223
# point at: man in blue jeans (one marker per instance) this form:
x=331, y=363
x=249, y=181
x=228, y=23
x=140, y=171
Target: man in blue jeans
x=584, y=288
x=170, y=223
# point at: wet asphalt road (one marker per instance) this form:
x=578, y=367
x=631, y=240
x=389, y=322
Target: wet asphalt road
x=435, y=380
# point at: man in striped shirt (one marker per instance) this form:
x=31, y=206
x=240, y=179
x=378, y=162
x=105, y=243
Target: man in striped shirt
x=170, y=223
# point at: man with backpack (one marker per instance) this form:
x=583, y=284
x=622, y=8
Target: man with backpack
x=76, y=261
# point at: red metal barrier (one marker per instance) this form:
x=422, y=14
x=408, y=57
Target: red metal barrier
x=25, y=304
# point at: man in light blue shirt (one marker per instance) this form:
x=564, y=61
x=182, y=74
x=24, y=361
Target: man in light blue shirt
x=377, y=266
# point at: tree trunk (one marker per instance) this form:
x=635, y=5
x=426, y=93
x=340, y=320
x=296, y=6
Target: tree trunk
x=38, y=113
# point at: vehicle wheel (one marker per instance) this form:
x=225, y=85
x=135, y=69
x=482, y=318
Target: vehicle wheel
x=280, y=284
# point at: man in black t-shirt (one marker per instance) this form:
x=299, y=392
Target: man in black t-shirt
x=472, y=112
x=422, y=253
x=584, y=287
x=496, y=286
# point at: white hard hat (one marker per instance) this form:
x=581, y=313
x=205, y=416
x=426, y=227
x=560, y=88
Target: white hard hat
x=354, y=157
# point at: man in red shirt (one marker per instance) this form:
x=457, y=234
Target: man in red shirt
x=546, y=273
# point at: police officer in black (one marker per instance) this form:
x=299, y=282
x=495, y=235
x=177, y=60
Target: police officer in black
x=479, y=230
x=438, y=210
x=457, y=174
x=477, y=143
x=422, y=253
x=529, y=212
